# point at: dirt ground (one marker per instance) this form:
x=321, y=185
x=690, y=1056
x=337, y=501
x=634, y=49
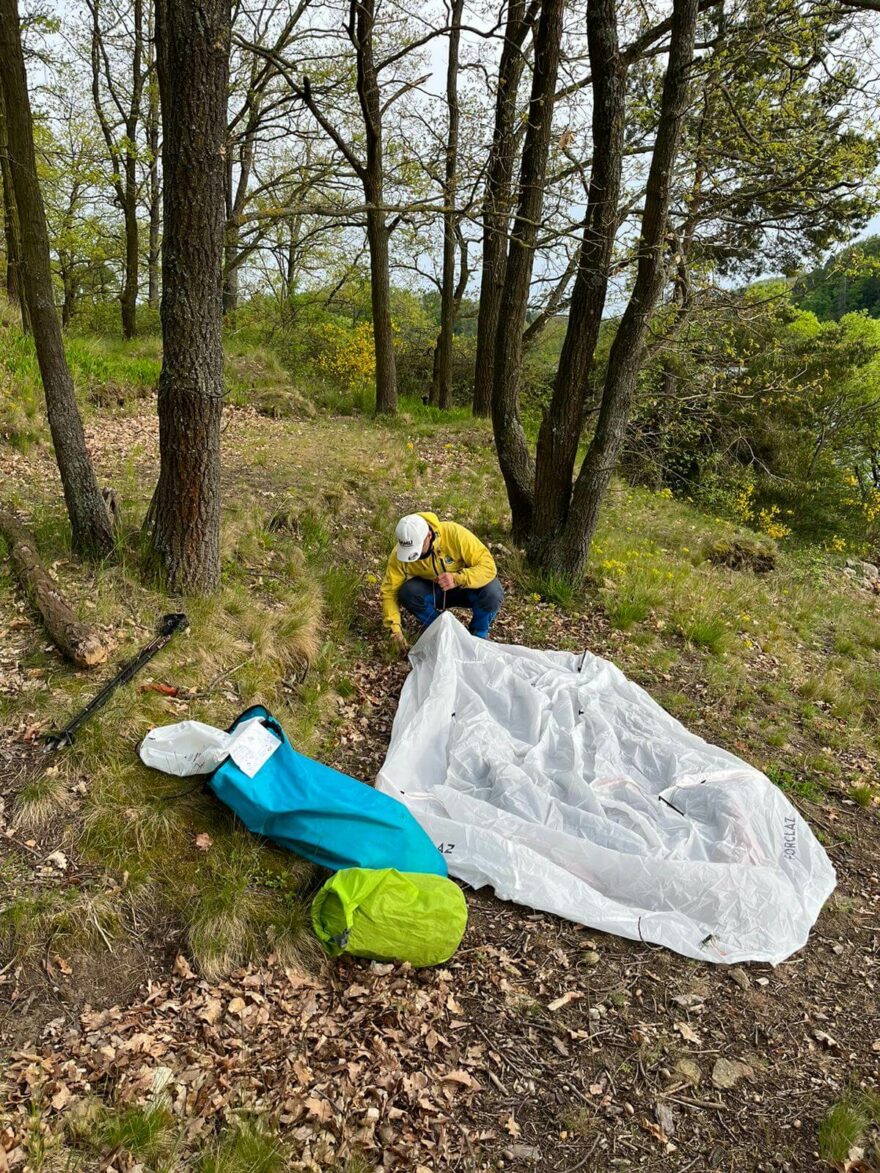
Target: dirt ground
x=540, y=1045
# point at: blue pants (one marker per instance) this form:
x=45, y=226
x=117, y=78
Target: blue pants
x=424, y=599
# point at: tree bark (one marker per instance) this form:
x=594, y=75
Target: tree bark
x=441, y=387
x=91, y=532
x=183, y=522
x=569, y=555
x=513, y=453
x=76, y=640
x=563, y=419
x=360, y=29
x=12, y=280
x=154, y=189
x=497, y=198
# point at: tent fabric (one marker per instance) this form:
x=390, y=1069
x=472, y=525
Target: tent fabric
x=300, y=804
x=564, y=786
x=387, y=916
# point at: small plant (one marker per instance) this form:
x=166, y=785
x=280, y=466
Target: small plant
x=248, y=1147
x=579, y=1122
x=703, y=630
x=863, y=795
x=841, y=1130
x=40, y=800
x=788, y=782
x=626, y=609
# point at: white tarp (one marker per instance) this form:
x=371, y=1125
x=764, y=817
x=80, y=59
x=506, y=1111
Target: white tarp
x=564, y=786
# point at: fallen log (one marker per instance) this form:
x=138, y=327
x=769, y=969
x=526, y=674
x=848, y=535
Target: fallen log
x=76, y=640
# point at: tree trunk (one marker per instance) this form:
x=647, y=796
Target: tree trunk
x=510, y=441
x=91, y=531
x=563, y=420
x=570, y=554
x=230, y=270
x=154, y=187
x=380, y=299
x=441, y=387
x=76, y=640
x=12, y=280
x=68, y=287
x=128, y=299
x=183, y=522
x=360, y=29
x=123, y=155
x=497, y=199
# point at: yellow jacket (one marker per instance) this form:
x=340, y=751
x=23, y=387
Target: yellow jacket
x=455, y=550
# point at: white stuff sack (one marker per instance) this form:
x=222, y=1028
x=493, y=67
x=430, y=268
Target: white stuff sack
x=192, y=747
x=564, y=786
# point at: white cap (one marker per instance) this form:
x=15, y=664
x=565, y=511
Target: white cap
x=411, y=533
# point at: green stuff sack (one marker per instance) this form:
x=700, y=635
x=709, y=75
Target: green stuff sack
x=388, y=915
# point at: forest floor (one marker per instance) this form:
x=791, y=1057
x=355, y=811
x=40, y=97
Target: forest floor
x=161, y=1004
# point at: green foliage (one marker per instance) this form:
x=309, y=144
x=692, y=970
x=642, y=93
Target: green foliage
x=848, y=282
x=773, y=421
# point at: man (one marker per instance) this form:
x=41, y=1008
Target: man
x=438, y=564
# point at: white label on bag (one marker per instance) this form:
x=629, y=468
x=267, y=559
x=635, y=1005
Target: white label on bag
x=253, y=749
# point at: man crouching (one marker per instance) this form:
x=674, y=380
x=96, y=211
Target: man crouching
x=438, y=564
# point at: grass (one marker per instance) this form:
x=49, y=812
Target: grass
x=845, y=1125
x=783, y=667
x=246, y=1148
x=862, y=795
x=62, y=918
x=149, y=1136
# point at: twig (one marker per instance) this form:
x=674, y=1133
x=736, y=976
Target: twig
x=692, y=1103
x=223, y=675
x=103, y=935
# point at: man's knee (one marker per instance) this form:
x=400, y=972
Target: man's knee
x=492, y=595
x=414, y=594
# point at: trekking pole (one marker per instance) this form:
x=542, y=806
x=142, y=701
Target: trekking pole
x=169, y=625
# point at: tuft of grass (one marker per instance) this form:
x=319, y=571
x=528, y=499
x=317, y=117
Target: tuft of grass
x=247, y=902
x=248, y=1147
x=146, y=1131
x=626, y=609
x=61, y=918
x=580, y=1122
x=342, y=589
x=703, y=629
x=40, y=800
x=841, y=1130
x=862, y=795
x=790, y=783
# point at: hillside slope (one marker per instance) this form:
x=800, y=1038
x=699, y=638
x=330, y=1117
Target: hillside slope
x=164, y=939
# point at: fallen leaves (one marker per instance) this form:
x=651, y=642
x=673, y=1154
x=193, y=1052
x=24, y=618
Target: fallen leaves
x=658, y=1134
x=687, y=1032
x=293, y=1040
x=511, y=1126
x=182, y=968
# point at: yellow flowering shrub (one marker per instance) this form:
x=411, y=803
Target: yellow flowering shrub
x=348, y=356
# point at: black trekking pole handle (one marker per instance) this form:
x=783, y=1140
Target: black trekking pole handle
x=169, y=625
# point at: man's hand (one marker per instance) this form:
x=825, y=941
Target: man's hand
x=446, y=582
x=398, y=639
